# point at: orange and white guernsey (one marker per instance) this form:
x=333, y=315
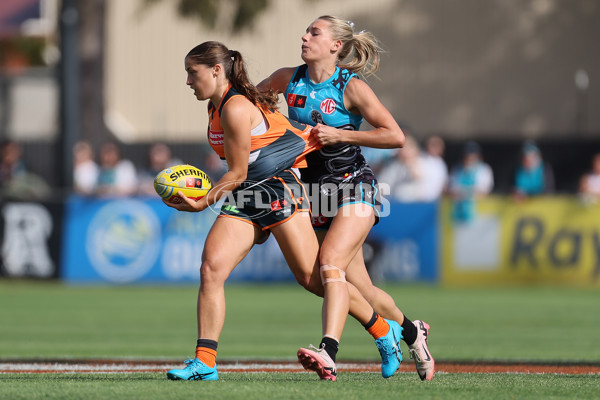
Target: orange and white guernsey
x=276, y=145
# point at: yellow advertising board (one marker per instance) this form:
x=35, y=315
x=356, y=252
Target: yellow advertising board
x=552, y=240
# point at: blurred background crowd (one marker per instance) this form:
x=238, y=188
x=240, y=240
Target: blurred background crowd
x=418, y=172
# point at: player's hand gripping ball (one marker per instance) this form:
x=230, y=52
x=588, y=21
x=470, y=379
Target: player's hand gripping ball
x=191, y=181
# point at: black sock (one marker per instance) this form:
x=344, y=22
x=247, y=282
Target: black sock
x=409, y=331
x=207, y=343
x=371, y=321
x=331, y=346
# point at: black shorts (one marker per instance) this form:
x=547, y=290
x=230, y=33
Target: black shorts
x=326, y=199
x=267, y=203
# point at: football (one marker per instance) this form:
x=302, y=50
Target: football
x=191, y=181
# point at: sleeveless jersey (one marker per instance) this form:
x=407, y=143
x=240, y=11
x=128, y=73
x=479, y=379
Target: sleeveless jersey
x=313, y=103
x=284, y=145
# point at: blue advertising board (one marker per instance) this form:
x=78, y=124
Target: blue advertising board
x=143, y=241
x=405, y=243
x=140, y=240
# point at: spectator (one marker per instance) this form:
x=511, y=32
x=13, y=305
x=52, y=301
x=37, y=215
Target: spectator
x=469, y=181
x=11, y=164
x=435, y=171
x=533, y=177
x=15, y=180
x=589, y=185
x=405, y=173
x=159, y=158
x=117, y=176
x=85, y=169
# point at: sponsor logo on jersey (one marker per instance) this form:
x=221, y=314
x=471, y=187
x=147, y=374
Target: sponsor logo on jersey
x=296, y=100
x=216, y=138
x=328, y=106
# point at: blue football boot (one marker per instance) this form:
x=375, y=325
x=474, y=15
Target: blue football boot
x=389, y=349
x=195, y=370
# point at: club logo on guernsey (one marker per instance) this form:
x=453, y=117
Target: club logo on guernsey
x=328, y=106
x=316, y=117
x=278, y=205
x=296, y=100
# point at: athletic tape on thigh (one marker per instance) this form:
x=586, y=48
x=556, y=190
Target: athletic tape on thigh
x=330, y=273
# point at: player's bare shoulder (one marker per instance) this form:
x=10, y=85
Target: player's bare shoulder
x=237, y=108
x=278, y=80
x=357, y=87
x=357, y=94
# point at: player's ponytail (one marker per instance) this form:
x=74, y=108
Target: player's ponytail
x=366, y=55
x=212, y=53
x=238, y=76
x=360, y=52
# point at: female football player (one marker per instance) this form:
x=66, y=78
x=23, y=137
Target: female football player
x=327, y=92
x=260, y=146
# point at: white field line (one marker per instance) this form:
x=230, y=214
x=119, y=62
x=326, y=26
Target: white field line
x=132, y=368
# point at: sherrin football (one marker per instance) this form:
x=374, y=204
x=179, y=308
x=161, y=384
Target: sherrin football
x=191, y=181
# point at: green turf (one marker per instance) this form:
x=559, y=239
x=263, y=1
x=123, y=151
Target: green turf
x=261, y=386
x=49, y=320
x=271, y=321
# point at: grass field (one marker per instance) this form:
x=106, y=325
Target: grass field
x=41, y=320
x=359, y=386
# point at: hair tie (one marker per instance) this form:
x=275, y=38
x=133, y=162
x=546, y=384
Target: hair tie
x=232, y=53
x=361, y=32
x=351, y=24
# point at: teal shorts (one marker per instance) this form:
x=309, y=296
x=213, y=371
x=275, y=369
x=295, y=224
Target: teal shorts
x=325, y=209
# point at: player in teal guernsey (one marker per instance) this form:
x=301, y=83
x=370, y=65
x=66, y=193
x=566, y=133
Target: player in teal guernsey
x=323, y=103
x=327, y=93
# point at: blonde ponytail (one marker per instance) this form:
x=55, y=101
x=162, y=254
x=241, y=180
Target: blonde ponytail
x=360, y=51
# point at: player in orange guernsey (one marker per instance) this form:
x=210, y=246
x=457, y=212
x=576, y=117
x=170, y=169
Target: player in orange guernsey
x=260, y=146
x=276, y=143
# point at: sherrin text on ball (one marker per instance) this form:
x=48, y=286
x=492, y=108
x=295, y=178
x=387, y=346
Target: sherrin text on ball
x=191, y=181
